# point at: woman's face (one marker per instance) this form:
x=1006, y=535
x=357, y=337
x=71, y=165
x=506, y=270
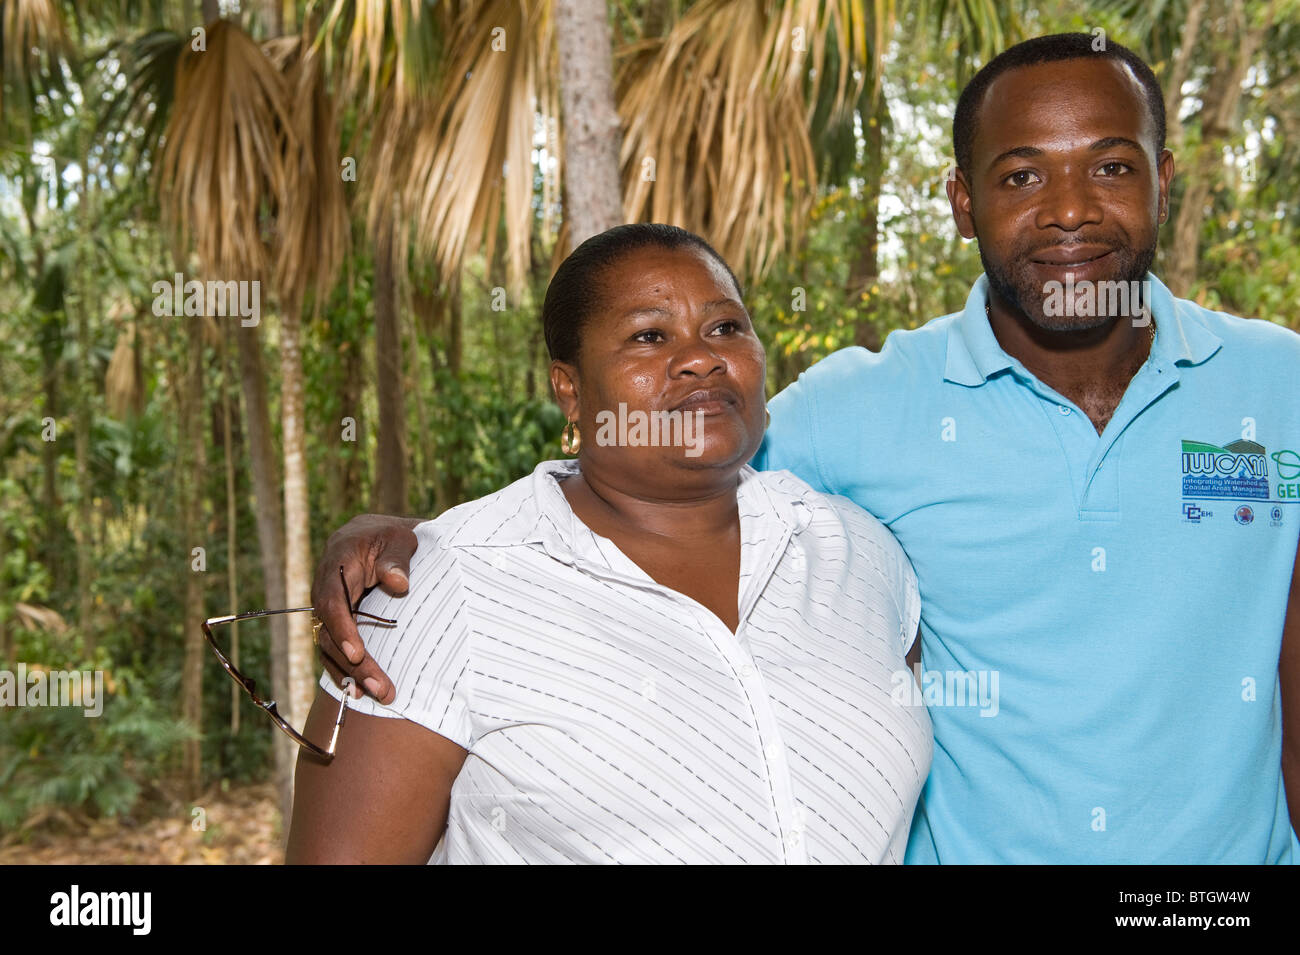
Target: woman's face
x=670, y=375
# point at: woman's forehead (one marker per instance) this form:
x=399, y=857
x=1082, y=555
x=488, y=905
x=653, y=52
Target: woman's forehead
x=657, y=274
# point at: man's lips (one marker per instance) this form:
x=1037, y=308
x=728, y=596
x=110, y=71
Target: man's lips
x=707, y=400
x=1070, y=256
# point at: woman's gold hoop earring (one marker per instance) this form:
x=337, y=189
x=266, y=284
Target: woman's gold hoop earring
x=570, y=443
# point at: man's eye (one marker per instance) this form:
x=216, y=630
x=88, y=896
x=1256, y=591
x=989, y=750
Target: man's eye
x=1020, y=178
x=1115, y=169
x=729, y=327
x=648, y=337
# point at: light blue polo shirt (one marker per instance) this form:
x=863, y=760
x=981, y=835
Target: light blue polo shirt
x=1101, y=615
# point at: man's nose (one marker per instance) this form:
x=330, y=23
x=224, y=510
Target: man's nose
x=1069, y=201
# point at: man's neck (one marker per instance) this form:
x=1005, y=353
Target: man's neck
x=1092, y=367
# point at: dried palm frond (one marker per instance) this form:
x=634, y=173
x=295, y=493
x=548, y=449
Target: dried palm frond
x=457, y=160
x=229, y=152
x=384, y=45
x=31, y=31
x=38, y=617
x=731, y=158
x=312, y=219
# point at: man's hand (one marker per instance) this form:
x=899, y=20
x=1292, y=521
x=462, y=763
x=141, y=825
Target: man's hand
x=373, y=550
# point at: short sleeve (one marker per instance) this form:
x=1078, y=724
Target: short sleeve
x=426, y=654
x=889, y=564
x=788, y=442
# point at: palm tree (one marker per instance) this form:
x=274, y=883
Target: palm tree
x=591, y=123
x=731, y=159
x=32, y=41
x=251, y=135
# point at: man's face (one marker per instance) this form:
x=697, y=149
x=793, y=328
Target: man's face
x=1064, y=186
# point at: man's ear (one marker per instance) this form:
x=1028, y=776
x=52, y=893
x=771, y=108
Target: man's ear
x=959, y=199
x=564, y=384
x=1164, y=178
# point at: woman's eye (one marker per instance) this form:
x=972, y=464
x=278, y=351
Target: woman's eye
x=1020, y=177
x=729, y=327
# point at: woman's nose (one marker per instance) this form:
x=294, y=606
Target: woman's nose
x=697, y=358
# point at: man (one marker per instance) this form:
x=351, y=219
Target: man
x=1096, y=484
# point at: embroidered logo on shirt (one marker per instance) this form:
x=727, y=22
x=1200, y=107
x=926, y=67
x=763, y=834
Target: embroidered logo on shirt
x=1237, y=470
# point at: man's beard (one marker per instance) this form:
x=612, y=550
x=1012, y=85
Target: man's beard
x=1019, y=286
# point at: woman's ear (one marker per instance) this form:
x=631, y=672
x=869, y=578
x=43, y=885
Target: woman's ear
x=564, y=384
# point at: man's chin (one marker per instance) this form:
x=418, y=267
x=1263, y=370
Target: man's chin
x=1066, y=323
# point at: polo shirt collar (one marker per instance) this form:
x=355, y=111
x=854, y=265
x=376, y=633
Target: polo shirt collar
x=1179, y=339
x=974, y=355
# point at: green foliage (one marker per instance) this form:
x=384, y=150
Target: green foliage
x=58, y=758
x=489, y=437
x=477, y=409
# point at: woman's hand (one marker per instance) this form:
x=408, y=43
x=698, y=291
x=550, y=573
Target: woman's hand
x=372, y=549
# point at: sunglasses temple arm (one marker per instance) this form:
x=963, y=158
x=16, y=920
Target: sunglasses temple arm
x=348, y=683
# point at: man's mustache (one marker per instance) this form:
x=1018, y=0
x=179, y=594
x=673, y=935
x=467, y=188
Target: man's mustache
x=1068, y=248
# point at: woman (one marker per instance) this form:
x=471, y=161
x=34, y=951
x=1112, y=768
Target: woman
x=653, y=653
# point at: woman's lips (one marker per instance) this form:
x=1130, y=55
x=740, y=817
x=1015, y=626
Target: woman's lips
x=710, y=401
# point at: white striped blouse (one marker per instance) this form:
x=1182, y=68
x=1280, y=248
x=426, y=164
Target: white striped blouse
x=611, y=719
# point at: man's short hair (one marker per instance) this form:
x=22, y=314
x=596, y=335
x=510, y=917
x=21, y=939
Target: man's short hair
x=1054, y=48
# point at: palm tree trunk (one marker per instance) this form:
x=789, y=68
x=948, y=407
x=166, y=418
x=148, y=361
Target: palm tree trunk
x=297, y=517
x=55, y=530
x=453, y=483
x=7, y=649
x=390, y=466
x=864, y=272
x=593, y=193
x=232, y=511
x=269, y=515
x=83, y=532
x=415, y=375
x=344, y=478
x=190, y=499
